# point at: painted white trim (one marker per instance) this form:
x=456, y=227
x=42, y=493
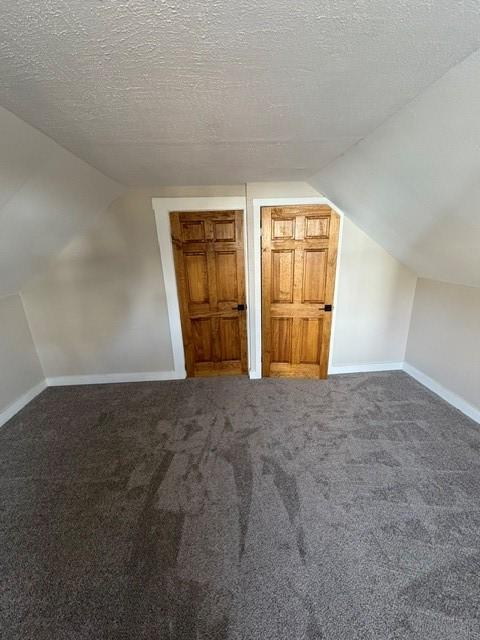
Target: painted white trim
x=256, y=286
x=21, y=402
x=150, y=376
x=109, y=378
x=449, y=396
x=162, y=208
x=365, y=367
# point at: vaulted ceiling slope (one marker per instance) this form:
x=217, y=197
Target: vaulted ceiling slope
x=215, y=92
x=47, y=195
x=414, y=184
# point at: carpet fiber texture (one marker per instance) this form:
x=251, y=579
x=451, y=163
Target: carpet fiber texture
x=215, y=509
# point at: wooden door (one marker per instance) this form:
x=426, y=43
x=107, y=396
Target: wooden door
x=209, y=264
x=299, y=255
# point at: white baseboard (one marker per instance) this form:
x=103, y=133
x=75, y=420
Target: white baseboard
x=21, y=402
x=109, y=378
x=365, y=368
x=449, y=396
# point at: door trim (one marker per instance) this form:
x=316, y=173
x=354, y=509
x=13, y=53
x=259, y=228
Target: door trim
x=256, y=285
x=162, y=208
x=253, y=270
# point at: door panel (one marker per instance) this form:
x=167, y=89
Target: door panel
x=317, y=227
x=202, y=339
x=281, y=339
x=299, y=253
x=310, y=341
x=314, y=275
x=224, y=230
x=226, y=276
x=283, y=228
x=209, y=263
x=229, y=332
x=193, y=231
x=283, y=270
x=196, y=271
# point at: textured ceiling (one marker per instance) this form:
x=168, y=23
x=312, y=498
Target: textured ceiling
x=414, y=184
x=208, y=91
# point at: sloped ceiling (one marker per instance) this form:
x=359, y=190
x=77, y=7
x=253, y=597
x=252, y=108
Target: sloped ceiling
x=169, y=93
x=414, y=184
x=47, y=195
x=215, y=92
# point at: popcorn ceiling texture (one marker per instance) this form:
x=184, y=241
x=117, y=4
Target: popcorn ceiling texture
x=170, y=92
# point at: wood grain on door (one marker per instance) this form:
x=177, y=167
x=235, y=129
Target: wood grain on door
x=209, y=264
x=299, y=255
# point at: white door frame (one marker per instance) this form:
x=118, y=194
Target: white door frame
x=253, y=266
x=162, y=208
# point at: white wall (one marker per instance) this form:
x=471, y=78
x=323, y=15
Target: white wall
x=20, y=369
x=47, y=195
x=374, y=303
x=413, y=184
x=444, y=339
x=100, y=307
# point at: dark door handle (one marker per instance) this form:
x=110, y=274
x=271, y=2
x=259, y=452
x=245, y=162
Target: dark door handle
x=240, y=307
x=326, y=307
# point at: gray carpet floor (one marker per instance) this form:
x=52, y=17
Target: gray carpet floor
x=215, y=509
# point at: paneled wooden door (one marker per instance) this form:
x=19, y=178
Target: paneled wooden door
x=209, y=264
x=299, y=256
